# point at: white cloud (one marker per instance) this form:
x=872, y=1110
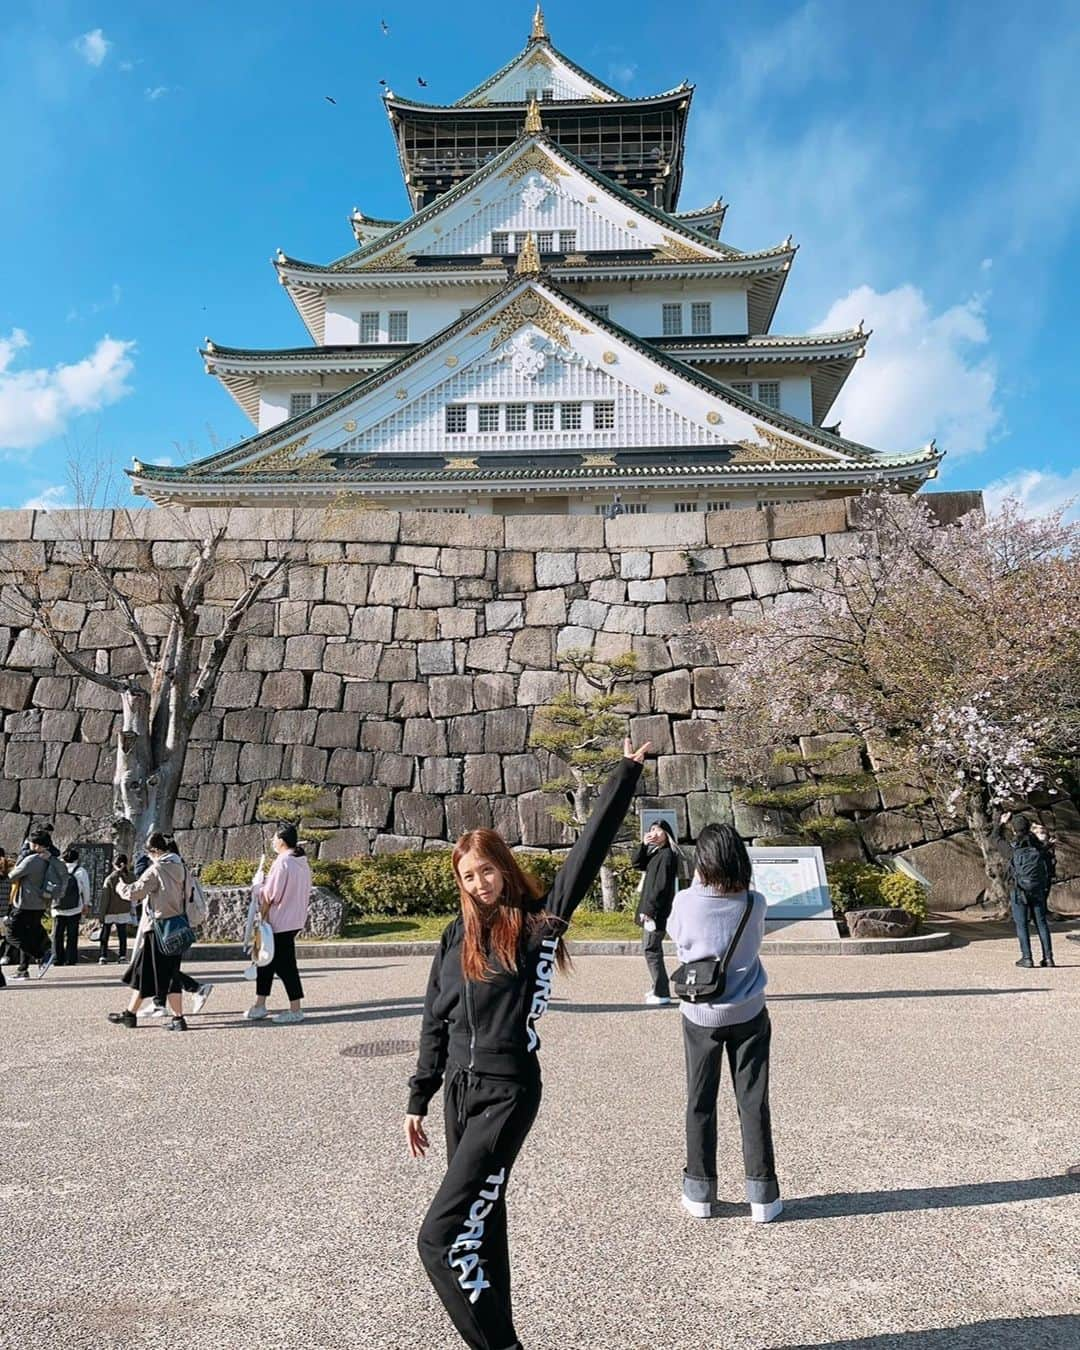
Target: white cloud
x=621, y=73
x=924, y=375
x=158, y=91
x=93, y=47
x=38, y=403
x=57, y=498
x=1038, y=491
x=794, y=52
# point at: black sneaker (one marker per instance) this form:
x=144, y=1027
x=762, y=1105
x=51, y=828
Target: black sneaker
x=124, y=1019
x=1025, y=963
x=1047, y=961
x=177, y=1024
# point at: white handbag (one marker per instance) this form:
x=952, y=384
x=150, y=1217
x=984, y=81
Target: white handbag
x=264, y=944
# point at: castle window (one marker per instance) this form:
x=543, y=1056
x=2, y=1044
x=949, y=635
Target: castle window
x=515, y=416
x=603, y=417
x=602, y=311
x=397, y=325
x=369, y=326
x=672, y=321
x=701, y=317
x=684, y=508
x=717, y=506
x=500, y=242
x=323, y=397
x=299, y=403
x=548, y=96
x=457, y=419
x=543, y=416
x=488, y=417
x=570, y=416
x=567, y=241
x=768, y=392
x=545, y=241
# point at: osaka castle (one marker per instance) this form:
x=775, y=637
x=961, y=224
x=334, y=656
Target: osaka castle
x=546, y=332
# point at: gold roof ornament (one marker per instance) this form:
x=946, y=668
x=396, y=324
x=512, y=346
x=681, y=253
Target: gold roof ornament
x=528, y=261
x=539, y=27
x=533, y=120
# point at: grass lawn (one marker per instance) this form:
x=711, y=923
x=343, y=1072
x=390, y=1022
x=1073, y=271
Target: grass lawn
x=588, y=924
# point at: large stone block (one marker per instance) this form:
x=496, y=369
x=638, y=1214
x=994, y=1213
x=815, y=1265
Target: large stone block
x=532, y=648
x=708, y=808
x=73, y=525
x=421, y=527
x=654, y=728
x=463, y=562
x=283, y=689
x=737, y=526
x=32, y=650
x=38, y=796
x=955, y=869
x=589, y=613
x=397, y=843
x=337, y=729
x=416, y=813
x=890, y=831
x=686, y=589
x=474, y=588
x=801, y=548
x=245, y=522
x=15, y=690
x=710, y=686
x=651, y=654
x=333, y=620
x=350, y=768
x=666, y=620
x=295, y=726
x=767, y=578
x=451, y=695
x=365, y=696
x=393, y=770
x=503, y=615
x=457, y=623
x=423, y=736
x=304, y=652
x=483, y=773
x=635, y=566
x=259, y=762
x=434, y=592
x=224, y=763
x=593, y=566
x=397, y=663
x=373, y=623
x=416, y=625
x=655, y=531
x=539, y=686
x=418, y=555
x=696, y=737
x=306, y=764
x=350, y=584
x=467, y=813
x=555, y=569
x=357, y=659
x=515, y=572
x=375, y=735
x=652, y=592
x=391, y=585
x=488, y=653
x=624, y=619
x=679, y=774
x=522, y=774
x=493, y=691
x=803, y=518
x=325, y=691
x=465, y=734
x=505, y=731
x=307, y=583
x=59, y=726
x=435, y=658
x=692, y=649
x=574, y=639
x=78, y=762
x=671, y=692
x=441, y=774
x=536, y=825
x=409, y=698
x=554, y=533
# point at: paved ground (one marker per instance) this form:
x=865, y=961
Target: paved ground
x=245, y=1185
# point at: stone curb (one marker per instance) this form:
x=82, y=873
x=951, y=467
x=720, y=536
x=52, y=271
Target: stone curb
x=325, y=951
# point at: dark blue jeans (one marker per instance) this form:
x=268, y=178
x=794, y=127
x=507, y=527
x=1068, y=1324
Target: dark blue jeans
x=1023, y=911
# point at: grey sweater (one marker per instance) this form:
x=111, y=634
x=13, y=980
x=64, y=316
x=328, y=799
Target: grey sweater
x=702, y=924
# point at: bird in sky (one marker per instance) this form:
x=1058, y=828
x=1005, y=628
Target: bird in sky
x=384, y=84
x=385, y=27
x=421, y=83
x=330, y=100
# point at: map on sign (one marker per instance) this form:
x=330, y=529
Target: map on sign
x=792, y=880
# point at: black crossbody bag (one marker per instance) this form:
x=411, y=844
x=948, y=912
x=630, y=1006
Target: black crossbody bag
x=703, y=981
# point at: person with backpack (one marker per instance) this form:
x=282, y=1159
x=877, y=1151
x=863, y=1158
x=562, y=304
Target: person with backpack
x=41, y=878
x=1030, y=877
x=284, y=898
x=67, y=911
x=5, y=906
x=163, y=889
x=717, y=925
x=112, y=911
x=490, y=983
x=1049, y=844
x=658, y=861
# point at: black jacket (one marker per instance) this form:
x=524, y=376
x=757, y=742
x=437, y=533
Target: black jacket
x=661, y=868
x=489, y=1026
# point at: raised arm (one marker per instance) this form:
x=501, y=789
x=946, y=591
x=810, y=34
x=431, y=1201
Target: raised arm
x=583, y=862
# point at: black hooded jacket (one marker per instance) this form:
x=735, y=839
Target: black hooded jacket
x=489, y=1026
x=661, y=868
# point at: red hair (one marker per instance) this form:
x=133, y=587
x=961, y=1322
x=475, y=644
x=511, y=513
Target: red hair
x=496, y=930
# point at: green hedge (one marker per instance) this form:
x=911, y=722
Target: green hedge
x=856, y=885
x=414, y=883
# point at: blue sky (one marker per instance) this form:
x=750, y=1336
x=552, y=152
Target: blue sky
x=923, y=156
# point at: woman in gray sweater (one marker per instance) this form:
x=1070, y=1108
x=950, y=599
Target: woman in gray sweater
x=705, y=922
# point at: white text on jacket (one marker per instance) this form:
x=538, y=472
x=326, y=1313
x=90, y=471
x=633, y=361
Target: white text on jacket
x=545, y=973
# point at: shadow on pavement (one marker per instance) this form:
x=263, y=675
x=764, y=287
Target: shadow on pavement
x=842, y=1203
x=841, y=997
x=1012, y=1333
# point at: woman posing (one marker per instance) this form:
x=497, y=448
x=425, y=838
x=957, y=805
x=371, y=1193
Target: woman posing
x=717, y=916
x=658, y=859
x=286, y=895
x=490, y=983
x=112, y=911
x=163, y=889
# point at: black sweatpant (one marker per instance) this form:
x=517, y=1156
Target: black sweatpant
x=29, y=936
x=121, y=938
x=283, y=966
x=65, y=939
x=652, y=944
x=463, y=1240
x=746, y=1045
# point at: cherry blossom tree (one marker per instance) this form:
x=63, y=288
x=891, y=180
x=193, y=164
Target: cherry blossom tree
x=953, y=651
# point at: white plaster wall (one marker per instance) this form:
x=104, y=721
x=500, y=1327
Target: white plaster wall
x=638, y=306
x=430, y=309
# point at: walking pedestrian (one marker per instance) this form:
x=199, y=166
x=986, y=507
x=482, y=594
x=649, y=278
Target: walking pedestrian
x=717, y=925
x=1030, y=876
x=658, y=861
x=67, y=911
x=163, y=890
x=113, y=911
x=41, y=877
x=284, y=901
x=5, y=907
x=489, y=985
x=1049, y=846
x=199, y=992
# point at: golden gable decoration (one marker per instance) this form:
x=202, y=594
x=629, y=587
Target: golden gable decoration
x=461, y=462
x=286, y=459
x=773, y=447
x=395, y=261
x=678, y=250
x=533, y=158
x=530, y=308
x=598, y=462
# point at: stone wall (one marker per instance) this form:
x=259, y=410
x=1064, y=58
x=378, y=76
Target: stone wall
x=402, y=659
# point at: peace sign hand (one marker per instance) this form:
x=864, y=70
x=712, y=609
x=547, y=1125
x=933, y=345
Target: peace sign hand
x=638, y=756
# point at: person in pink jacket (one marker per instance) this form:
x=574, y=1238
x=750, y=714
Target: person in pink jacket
x=284, y=900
